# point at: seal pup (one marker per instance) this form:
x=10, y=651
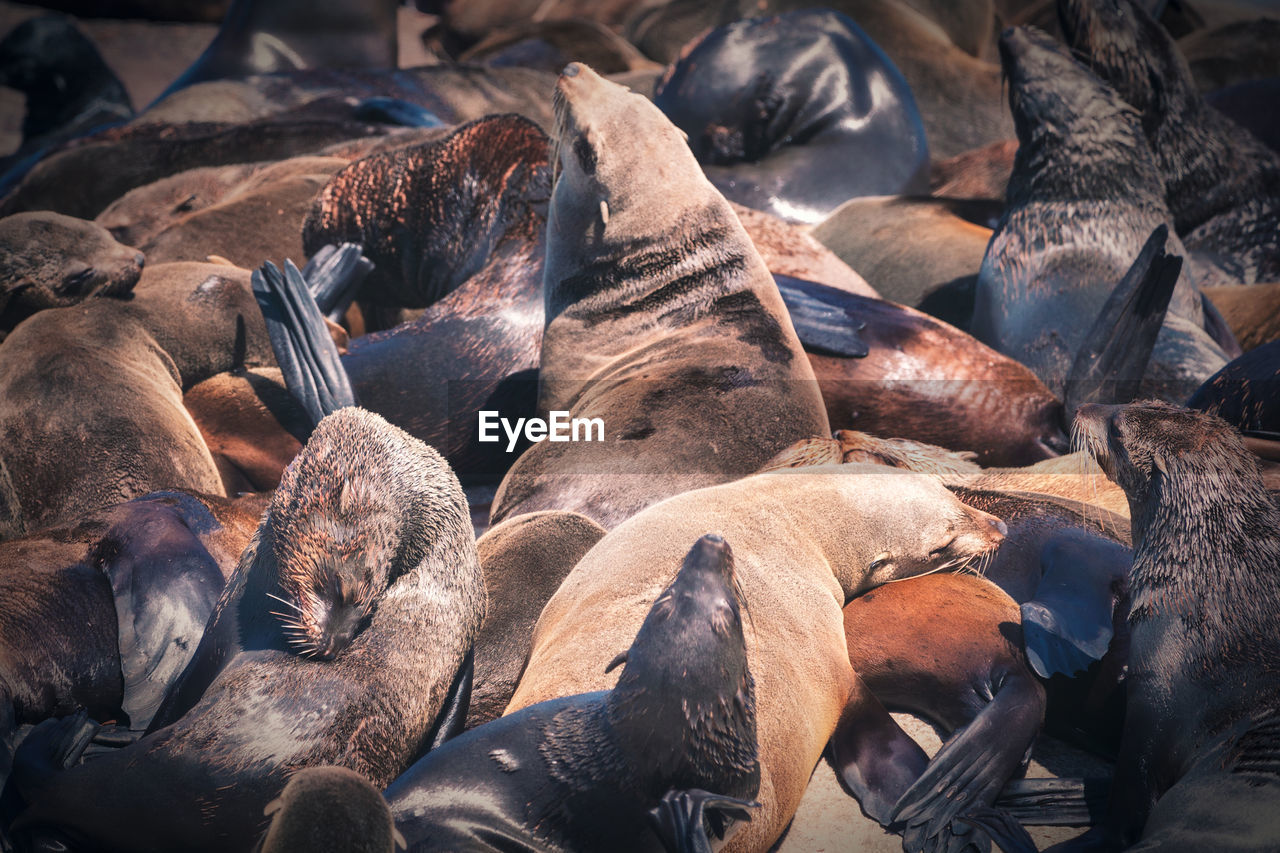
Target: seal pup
x=336, y=642
x=662, y=321
x=846, y=529
x=48, y=260
x=1222, y=184
x=1075, y=221
x=794, y=114
x=1197, y=764
x=583, y=772
x=330, y=808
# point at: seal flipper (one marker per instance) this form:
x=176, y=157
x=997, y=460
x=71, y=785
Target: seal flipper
x=1007, y=833
x=1067, y=625
x=697, y=821
x=48, y=749
x=385, y=110
x=1056, y=802
x=874, y=758
x=976, y=761
x=823, y=317
x=1110, y=364
x=453, y=714
x=334, y=274
x=307, y=356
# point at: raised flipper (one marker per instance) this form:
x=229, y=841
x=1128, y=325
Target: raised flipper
x=307, y=355
x=1067, y=625
x=47, y=750
x=386, y=110
x=453, y=714
x=874, y=758
x=823, y=317
x=1055, y=802
x=973, y=765
x=1000, y=827
x=697, y=821
x=1110, y=364
x=333, y=276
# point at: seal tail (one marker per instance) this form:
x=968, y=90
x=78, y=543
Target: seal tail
x=824, y=317
x=1109, y=366
x=687, y=820
x=1055, y=802
x=307, y=355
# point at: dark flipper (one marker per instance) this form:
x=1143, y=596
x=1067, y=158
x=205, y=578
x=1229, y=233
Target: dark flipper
x=453, y=714
x=697, y=821
x=1067, y=625
x=47, y=750
x=975, y=762
x=386, y=110
x=1110, y=364
x=874, y=758
x=333, y=276
x=1006, y=832
x=1055, y=802
x=307, y=355
x=823, y=317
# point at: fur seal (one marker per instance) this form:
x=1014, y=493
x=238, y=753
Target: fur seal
x=48, y=260
x=1075, y=221
x=1222, y=184
x=583, y=772
x=847, y=530
x=1252, y=311
x=330, y=808
x=657, y=306
x=335, y=642
x=795, y=114
x=1199, y=733
x=1245, y=393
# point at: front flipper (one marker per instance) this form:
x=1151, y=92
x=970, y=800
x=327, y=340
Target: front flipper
x=1007, y=833
x=1067, y=625
x=823, y=317
x=697, y=821
x=453, y=714
x=306, y=353
x=1055, y=802
x=976, y=761
x=874, y=758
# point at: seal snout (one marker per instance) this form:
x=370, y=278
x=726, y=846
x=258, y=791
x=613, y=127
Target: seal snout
x=571, y=70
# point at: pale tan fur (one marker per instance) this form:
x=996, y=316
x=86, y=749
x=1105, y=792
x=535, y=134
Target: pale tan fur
x=803, y=542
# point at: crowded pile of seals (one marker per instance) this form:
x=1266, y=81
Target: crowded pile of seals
x=674, y=426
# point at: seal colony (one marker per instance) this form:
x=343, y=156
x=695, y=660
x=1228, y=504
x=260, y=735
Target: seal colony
x=289, y=639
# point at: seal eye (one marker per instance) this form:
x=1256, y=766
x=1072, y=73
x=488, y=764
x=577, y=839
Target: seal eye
x=586, y=155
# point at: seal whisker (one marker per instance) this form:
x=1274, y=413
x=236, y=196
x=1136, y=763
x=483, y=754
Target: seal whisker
x=286, y=602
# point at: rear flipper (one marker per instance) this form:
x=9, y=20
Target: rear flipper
x=306, y=353
x=1110, y=364
x=1007, y=833
x=697, y=821
x=874, y=758
x=973, y=765
x=333, y=276
x=1055, y=802
x=823, y=317
x=47, y=750
x=1067, y=625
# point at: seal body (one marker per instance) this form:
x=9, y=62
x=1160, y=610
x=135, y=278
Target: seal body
x=582, y=772
x=1084, y=196
x=335, y=642
x=662, y=321
x=1203, y=704
x=848, y=528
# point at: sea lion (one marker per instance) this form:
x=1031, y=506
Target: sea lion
x=335, y=642
x=330, y=808
x=1245, y=393
x=847, y=529
x=795, y=114
x=583, y=772
x=1222, y=184
x=1199, y=733
x=109, y=375
x=661, y=321
x=1252, y=311
x=48, y=260
x=1050, y=263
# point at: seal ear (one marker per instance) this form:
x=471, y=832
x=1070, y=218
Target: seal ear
x=1158, y=461
x=620, y=659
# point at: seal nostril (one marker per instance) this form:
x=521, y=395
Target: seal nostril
x=570, y=70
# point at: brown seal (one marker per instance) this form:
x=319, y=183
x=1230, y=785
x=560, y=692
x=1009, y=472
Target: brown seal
x=335, y=642
x=846, y=529
x=51, y=261
x=119, y=369
x=1198, y=758
x=662, y=322
x=1252, y=311
x=330, y=808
